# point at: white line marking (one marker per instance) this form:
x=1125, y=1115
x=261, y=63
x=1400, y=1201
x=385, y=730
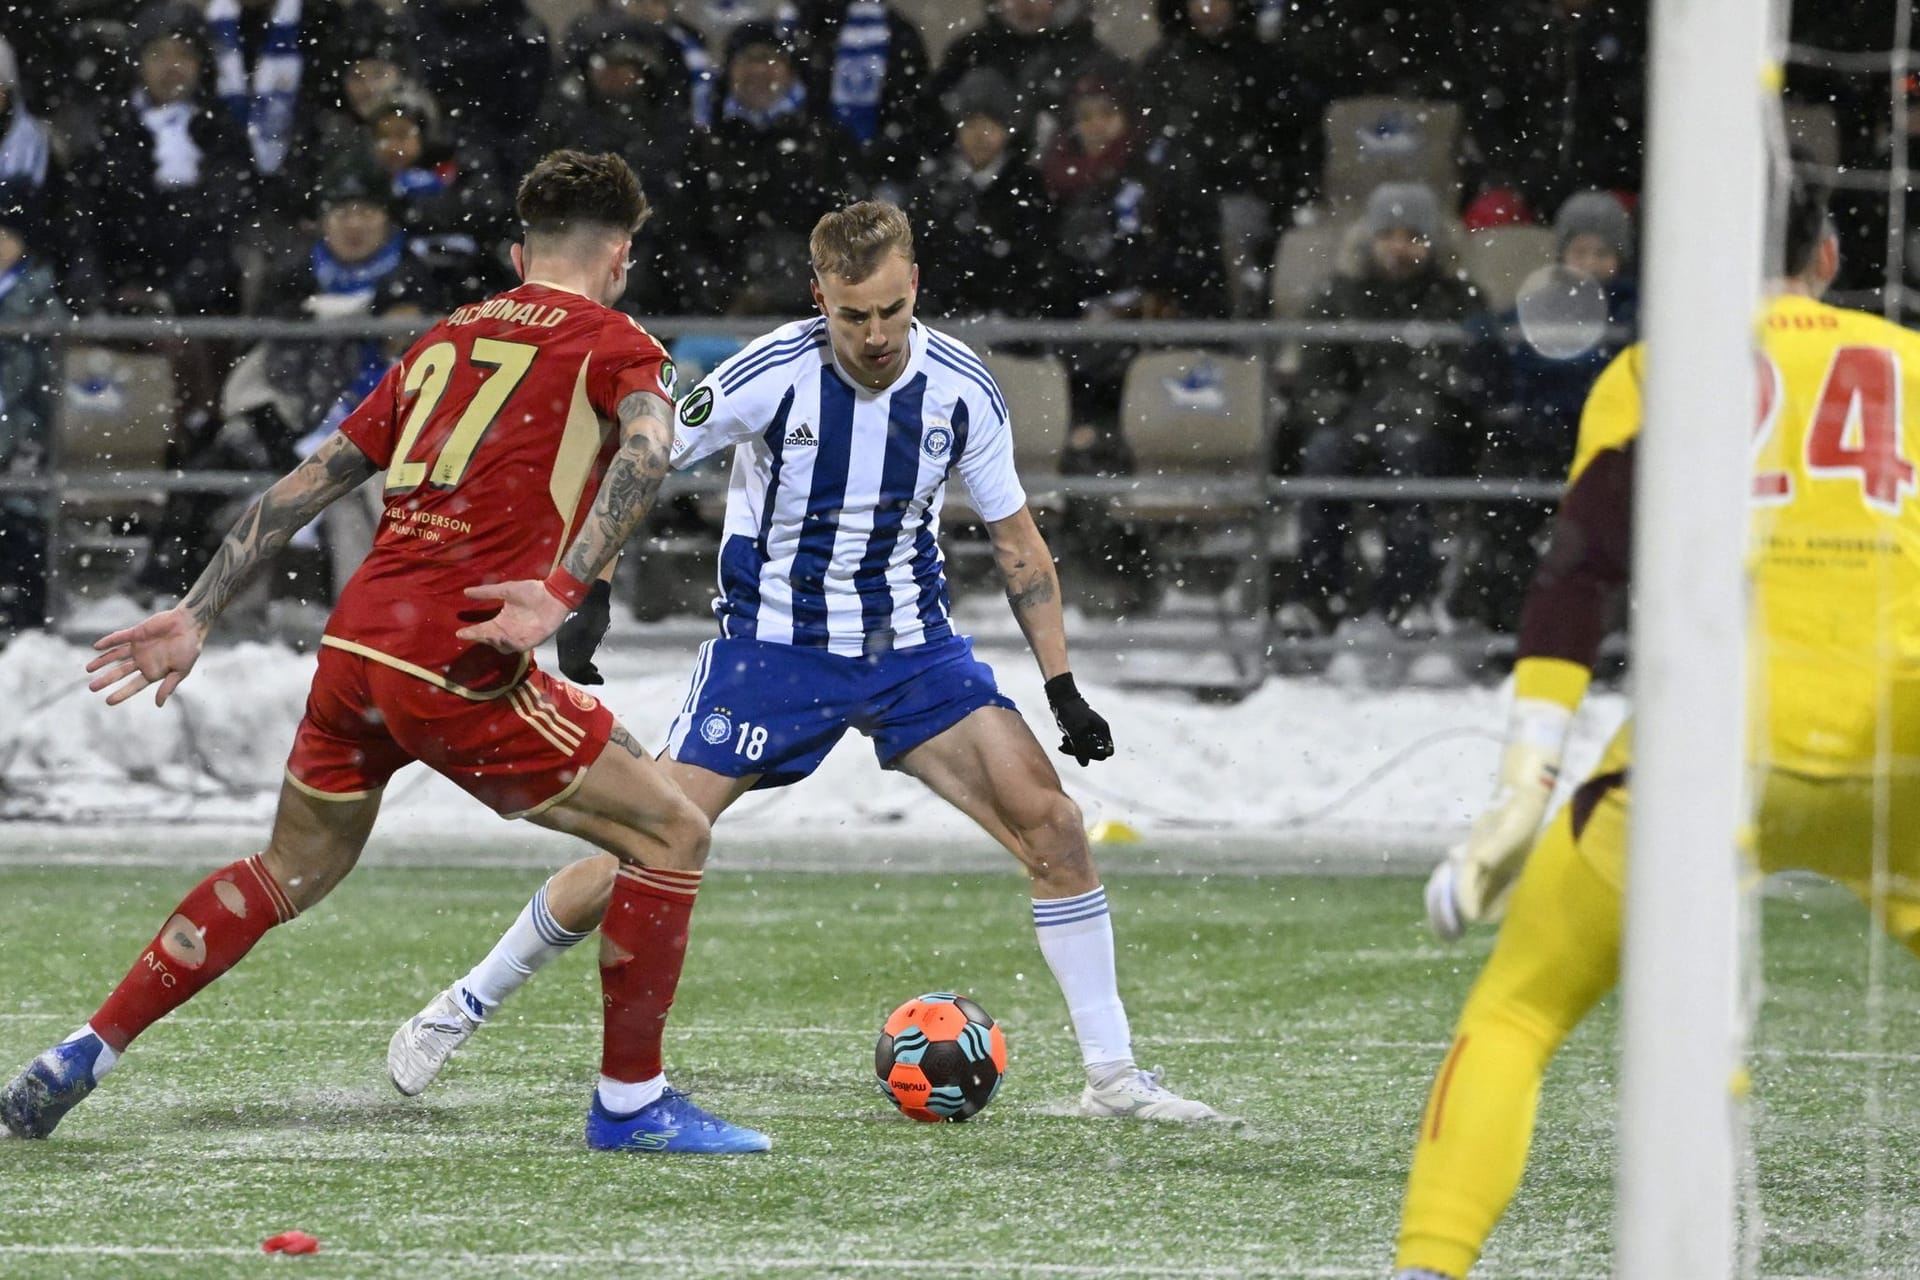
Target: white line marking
x=802, y=1263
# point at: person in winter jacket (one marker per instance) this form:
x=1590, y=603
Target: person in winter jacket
x=1398, y=408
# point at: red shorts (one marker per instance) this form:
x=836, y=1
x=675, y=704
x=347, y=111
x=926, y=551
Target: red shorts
x=517, y=754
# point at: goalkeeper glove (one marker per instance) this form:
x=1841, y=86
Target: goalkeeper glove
x=1083, y=734
x=1472, y=885
x=581, y=634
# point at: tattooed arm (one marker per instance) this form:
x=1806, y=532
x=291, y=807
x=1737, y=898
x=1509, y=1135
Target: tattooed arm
x=335, y=469
x=533, y=610
x=163, y=649
x=1033, y=588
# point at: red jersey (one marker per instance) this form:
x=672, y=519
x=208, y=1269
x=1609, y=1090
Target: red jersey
x=495, y=431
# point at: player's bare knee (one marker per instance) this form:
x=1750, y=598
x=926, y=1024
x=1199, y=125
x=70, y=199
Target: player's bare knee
x=184, y=941
x=1053, y=840
x=1047, y=820
x=689, y=837
x=678, y=841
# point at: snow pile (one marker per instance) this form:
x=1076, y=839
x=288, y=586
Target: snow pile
x=1299, y=760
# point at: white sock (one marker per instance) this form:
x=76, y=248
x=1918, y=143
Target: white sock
x=623, y=1098
x=1076, y=937
x=534, y=938
x=103, y=1063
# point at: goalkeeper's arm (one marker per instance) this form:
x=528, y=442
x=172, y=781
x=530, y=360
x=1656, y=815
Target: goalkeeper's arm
x=1570, y=607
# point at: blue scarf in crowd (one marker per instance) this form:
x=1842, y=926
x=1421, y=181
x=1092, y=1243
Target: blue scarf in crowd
x=791, y=101
x=860, y=68
x=330, y=275
x=264, y=103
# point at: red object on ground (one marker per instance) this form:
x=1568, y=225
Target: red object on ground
x=290, y=1242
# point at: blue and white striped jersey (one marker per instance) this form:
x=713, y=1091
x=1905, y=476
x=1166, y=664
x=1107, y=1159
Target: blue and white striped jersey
x=833, y=511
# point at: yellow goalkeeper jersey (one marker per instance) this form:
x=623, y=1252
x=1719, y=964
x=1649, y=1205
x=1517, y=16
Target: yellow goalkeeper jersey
x=1835, y=557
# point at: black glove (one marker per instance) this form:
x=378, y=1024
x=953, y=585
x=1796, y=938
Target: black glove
x=1083, y=734
x=582, y=633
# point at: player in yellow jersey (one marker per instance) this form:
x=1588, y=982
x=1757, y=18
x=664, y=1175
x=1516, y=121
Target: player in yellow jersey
x=1835, y=721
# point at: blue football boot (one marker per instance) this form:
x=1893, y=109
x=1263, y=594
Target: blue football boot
x=53, y=1083
x=669, y=1123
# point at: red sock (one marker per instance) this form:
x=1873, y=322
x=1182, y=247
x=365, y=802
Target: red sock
x=643, y=943
x=209, y=931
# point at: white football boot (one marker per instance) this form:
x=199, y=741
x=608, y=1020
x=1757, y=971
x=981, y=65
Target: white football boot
x=425, y=1041
x=1138, y=1095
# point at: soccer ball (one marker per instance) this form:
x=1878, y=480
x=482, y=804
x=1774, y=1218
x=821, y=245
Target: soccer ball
x=940, y=1057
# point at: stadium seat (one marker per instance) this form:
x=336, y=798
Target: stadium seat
x=1035, y=389
x=1036, y=392
x=1306, y=260
x=1196, y=423
x=1499, y=259
x=1379, y=139
x=115, y=413
x=1194, y=416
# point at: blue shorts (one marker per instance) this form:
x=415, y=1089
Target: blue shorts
x=776, y=710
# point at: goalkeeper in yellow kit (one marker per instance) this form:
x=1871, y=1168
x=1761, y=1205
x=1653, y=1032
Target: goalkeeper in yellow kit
x=1835, y=720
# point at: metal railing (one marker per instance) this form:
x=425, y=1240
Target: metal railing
x=1253, y=498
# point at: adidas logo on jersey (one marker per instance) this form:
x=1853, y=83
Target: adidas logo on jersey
x=803, y=435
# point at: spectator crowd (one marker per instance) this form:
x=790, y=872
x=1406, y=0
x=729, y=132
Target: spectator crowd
x=333, y=158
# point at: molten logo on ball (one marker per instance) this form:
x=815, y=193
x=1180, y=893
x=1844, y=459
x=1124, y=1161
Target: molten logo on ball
x=940, y=1057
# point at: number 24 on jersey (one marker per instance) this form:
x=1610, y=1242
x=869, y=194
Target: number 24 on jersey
x=1855, y=432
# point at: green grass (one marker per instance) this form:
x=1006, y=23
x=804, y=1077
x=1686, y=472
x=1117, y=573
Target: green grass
x=1313, y=1007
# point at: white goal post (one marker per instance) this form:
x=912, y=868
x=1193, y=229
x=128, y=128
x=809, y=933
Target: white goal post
x=1710, y=87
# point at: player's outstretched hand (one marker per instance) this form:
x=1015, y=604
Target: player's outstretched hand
x=529, y=613
x=1084, y=735
x=1472, y=885
x=161, y=650
x=582, y=632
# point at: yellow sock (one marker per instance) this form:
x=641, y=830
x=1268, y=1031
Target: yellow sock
x=1558, y=953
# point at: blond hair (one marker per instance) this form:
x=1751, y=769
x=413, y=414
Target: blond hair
x=851, y=243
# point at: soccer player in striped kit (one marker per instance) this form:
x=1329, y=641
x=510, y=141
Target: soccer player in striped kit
x=834, y=614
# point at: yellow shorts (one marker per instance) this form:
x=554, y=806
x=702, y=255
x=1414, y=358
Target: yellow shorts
x=1828, y=826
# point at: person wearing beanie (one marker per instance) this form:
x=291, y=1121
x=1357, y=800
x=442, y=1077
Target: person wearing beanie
x=362, y=57
x=1402, y=221
x=982, y=92
x=1041, y=46
x=1101, y=139
x=983, y=225
x=1395, y=409
x=447, y=196
x=1593, y=234
x=629, y=91
x=1533, y=401
x=767, y=169
x=170, y=184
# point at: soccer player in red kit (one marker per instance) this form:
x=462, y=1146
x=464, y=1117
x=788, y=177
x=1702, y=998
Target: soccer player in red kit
x=524, y=437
